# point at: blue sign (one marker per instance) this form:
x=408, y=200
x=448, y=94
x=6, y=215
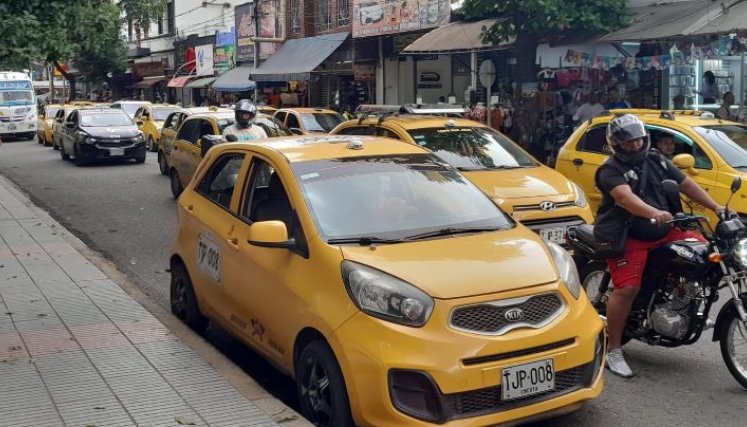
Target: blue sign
x=226, y=39
x=15, y=84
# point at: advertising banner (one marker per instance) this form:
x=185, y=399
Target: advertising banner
x=244, y=33
x=225, y=58
x=270, y=27
x=377, y=17
x=225, y=38
x=204, y=55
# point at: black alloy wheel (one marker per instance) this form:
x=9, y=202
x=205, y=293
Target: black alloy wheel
x=54, y=145
x=321, y=387
x=151, y=144
x=733, y=341
x=140, y=159
x=176, y=186
x=162, y=163
x=77, y=157
x=184, y=301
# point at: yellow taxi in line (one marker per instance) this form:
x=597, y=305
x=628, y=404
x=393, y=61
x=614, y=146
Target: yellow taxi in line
x=189, y=144
x=45, y=120
x=389, y=286
x=149, y=119
x=168, y=133
x=709, y=150
x=542, y=199
x=308, y=120
x=60, y=117
x=266, y=109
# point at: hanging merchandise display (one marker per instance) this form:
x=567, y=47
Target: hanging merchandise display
x=599, y=62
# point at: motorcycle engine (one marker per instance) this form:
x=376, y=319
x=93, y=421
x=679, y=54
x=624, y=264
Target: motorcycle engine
x=672, y=318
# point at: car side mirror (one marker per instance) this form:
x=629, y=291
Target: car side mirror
x=139, y=122
x=231, y=138
x=685, y=162
x=207, y=142
x=58, y=120
x=270, y=234
x=671, y=188
x=296, y=131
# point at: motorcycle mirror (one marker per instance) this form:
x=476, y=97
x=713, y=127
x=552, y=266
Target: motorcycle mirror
x=670, y=187
x=736, y=184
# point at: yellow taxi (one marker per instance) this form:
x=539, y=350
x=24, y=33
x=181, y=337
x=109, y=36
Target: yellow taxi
x=302, y=121
x=45, y=120
x=387, y=285
x=60, y=117
x=200, y=131
x=168, y=133
x=266, y=109
x=149, y=119
x=542, y=199
x=709, y=150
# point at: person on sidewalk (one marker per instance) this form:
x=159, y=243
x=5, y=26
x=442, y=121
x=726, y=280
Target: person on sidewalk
x=619, y=179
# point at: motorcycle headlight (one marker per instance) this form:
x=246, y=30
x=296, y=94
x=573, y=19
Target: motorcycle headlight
x=384, y=296
x=740, y=252
x=580, y=196
x=566, y=268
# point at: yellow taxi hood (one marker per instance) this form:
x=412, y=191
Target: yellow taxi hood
x=463, y=265
x=521, y=182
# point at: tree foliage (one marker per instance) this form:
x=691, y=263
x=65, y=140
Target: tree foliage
x=85, y=32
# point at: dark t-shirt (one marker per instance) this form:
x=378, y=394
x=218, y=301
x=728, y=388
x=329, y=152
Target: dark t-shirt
x=659, y=169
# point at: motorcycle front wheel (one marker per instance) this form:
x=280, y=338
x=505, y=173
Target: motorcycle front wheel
x=734, y=347
x=591, y=276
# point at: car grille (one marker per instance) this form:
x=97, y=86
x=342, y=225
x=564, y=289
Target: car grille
x=8, y=119
x=486, y=400
x=536, y=207
x=115, y=143
x=490, y=318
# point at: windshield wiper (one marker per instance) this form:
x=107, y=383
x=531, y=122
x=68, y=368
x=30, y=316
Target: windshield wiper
x=448, y=231
x=363, y=240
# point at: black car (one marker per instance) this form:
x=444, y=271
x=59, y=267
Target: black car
x=91, y=134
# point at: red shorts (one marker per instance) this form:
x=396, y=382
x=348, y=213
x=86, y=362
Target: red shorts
x=626, y=271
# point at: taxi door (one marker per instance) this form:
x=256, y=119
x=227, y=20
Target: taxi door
x=185, y=155
x=208, y=222
x=580, y=162
x=265, y=299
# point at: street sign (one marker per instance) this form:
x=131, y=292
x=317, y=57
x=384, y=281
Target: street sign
x=487, y=73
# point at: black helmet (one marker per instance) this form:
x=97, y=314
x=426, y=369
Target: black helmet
x=245, y=106
x=626, y=128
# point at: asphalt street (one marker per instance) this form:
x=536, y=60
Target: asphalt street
x=125, y=211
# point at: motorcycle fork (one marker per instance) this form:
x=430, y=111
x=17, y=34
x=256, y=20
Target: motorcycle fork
x=731, y=277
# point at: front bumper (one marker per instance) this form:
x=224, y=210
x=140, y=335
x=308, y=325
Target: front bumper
x=100, y=151
x=17, y=127
x=378, y=359
x=554, y=225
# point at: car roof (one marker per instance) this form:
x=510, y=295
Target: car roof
x=413, y=121
x=132, y=102
x=169, y=106
x=223, y=113
x=305, y=148
x=108, y=110
x=309, y=110
x=662, y=117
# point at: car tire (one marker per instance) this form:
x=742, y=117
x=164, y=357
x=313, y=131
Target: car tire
x=176, y=186
x=184, y=300
x=47, y=143
x=322, y=394
x=151, y=144
x=39, y=139
x=140, y=159
x=54, y=145
x=77, y=158
x=162, y=166
x=63, y=154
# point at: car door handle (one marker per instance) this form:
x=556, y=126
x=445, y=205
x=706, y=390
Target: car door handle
x=190, y=209
x=233, y=242
x=578, y=162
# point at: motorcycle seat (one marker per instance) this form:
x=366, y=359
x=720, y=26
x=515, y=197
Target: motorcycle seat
x=585, y=233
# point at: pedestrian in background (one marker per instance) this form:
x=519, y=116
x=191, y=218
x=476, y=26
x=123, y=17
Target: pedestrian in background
x=710, y=92
x=725, y=113
x=589, y=109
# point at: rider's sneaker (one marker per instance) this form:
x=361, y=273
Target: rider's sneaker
x=617, y=364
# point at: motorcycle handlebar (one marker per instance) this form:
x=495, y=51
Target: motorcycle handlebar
x=682, y=218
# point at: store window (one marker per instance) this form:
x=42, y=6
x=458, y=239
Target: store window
x=324, y=15
x=343, y=12
x=295, y=16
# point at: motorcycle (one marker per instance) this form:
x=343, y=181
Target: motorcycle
x=680, y=284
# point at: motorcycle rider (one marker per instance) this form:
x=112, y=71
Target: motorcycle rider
x=244, y=129
x=629, y=142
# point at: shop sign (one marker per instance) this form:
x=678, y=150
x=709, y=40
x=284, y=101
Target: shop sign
x=227, y=38
x=147, y=69
x=224, y=58
x=377, y=17
x=204, y=58
x=364, y=72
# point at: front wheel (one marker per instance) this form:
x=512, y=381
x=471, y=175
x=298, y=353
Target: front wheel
x=592, y=275
x=184, y=300
x=176, y=186
x=734, y=347
x=321, y=387
x=162, y=166
x=151, y=144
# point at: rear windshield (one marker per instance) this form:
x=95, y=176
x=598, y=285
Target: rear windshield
x=320, y=122
x=730, y=141
x=105, y=119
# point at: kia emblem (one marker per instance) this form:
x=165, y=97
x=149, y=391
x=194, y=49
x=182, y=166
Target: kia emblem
x=514, y=314
x=547, y=206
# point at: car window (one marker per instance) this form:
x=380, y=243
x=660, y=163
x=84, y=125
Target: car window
x=52, y=111
x=292, y=121
x=380, y=131
x=72, y=117
x=280, y=115
x=358, y=130
x=683, y=144
x=206, y=128
x=257, y=187
x=320, y=122
x=272, y=126
x=594, y=141
x=220, y=180
x=170, y=121
x=180, y=118
x=472, y=148
x=139, y=113
x=729, y=141
x=188, y=131
x=59, y=115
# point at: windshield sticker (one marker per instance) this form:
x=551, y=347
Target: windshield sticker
x=310, y=176
x=454, y=130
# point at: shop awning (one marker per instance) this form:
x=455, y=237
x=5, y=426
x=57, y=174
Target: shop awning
x=666, y=21
x=456, y=37
x=179, y=81
x=729, y=19
x=235, y=80
x=200, y=83
x=147, y=82
x=297, y=58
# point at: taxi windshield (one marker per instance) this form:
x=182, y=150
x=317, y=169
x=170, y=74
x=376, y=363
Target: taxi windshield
x=160, y=114
x=730, y=141
x=469, y=148
x=322, y=122
x=105, y=119
x=393, y=197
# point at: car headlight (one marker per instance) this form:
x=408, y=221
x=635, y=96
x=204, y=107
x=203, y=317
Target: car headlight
x=139, y=137
x=384, y=296
x=740, y=252
x=90, y=140
x=566, y=268
x=580, y=196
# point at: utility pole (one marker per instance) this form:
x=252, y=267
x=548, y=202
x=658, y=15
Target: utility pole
x=256, y=45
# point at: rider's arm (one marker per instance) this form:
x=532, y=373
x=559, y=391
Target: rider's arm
x=698, y=195
x=626, y=199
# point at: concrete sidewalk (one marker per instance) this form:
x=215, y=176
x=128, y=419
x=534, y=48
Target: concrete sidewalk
x=76, y=350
